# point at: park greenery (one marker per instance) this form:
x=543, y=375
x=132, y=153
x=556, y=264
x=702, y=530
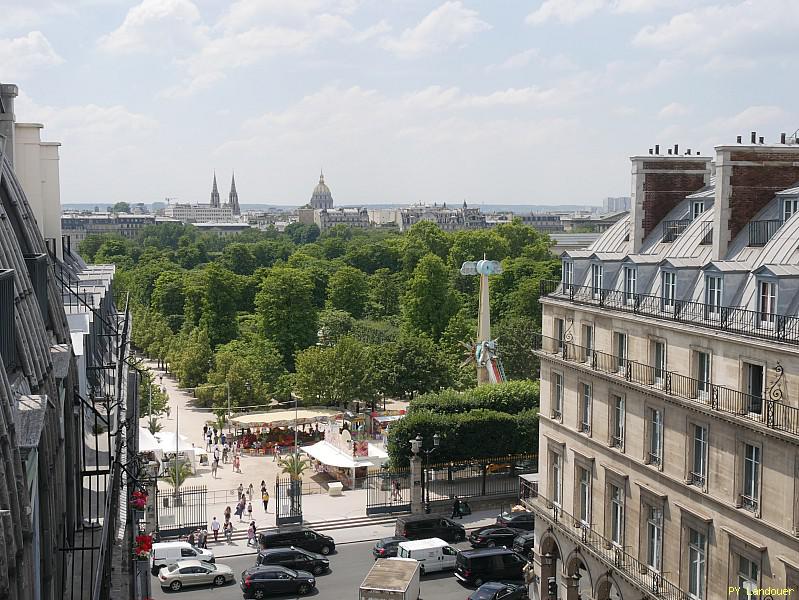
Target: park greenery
x=484, y=422
x=344, y=317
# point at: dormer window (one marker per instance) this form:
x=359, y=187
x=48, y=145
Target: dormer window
x=669, y=292
x=629, y=284
x=597, y=276
x=568, y=274
x=790, y=207
x=698, y=208
x=766, y=302
x=713, y=291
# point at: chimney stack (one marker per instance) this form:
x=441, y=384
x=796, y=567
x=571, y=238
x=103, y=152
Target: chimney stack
x=657, y=148
x=782, y=138
x=760, y=140
x=738, y=139
x=8, y=91
x=676, y=149
x=754, y=137
x=688, y=152
x=659, y=183
x=747, y=178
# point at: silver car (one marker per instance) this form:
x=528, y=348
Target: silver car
x=193, y=572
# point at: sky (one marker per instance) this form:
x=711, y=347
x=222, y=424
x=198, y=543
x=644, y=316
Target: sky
x=399, y=101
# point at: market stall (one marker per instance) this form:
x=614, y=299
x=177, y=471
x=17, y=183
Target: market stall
x=344, y=458
x=260, y=432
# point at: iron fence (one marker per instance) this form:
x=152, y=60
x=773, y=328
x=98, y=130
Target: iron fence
x=636, y=572
x=770, y=326
x=674, y=229
x=760, y=232
x=179, y=513
x=497, y=476
x=765, y=409
x=387, y=491
x=288, y=501
x=8, y=330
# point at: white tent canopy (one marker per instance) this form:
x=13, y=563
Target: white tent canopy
x=166, y=440
x=147, y=441
x=329, y=455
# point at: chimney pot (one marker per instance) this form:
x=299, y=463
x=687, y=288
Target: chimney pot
x=760, y=139
x=782, y=138
x=657, y=148
x=669, y=151
x=676, y=150
x=688, y=152
x=650, y=151
x=738, y=139
x=754, y=137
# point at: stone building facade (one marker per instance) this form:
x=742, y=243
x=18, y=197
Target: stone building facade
x=669, y=433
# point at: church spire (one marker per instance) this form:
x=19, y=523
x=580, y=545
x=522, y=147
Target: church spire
x=233, y=197
x=214, y=194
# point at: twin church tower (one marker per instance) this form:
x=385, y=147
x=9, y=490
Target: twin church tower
x=233, y=197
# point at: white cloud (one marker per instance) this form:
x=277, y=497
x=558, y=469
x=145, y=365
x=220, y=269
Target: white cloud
x=558, y=62
x=673, y=111
x=748, y=119
x=156, y=25
x=20, y=55
x=376, y=30
x=519, y=60
x=449, y=24
x=571, y=11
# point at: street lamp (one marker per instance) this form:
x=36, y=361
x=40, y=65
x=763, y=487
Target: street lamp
x=417, y=447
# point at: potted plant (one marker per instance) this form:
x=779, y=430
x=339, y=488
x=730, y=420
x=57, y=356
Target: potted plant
x=138, y=502
x=143, y=547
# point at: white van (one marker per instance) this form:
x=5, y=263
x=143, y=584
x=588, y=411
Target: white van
x=165, y=553
x=433, y=554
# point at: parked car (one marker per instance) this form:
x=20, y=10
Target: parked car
x=524, y=543
x=299, y=537
x=493, y=535
x=518, y=520
x=387, y=547
x=294, y=558
x=260, y=582
x=420, y=527
x=165, y=553
x=433, y=554
x=494, y=590
x=475, y=567
x=193, y=572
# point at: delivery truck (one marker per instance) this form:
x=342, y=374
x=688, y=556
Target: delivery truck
x=392, y=579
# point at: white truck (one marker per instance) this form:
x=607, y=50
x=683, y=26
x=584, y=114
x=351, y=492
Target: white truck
x=392, y=579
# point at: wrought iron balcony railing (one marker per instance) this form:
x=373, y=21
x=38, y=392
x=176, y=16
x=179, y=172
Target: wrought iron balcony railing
x=765, y=409
x=760, y=232
x=770, y=326
x=673, y=229
x=636, y=572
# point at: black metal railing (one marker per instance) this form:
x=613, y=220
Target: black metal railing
x=761, y=409
x=760, y=232
x=706, y=233
x=37, y=269
x=636, y=572
x=770, y=326
x=8, y=330
x=387, y=491
x=673, y=229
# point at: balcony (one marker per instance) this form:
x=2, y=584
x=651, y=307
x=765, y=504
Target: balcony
x=635, y=572
x=770, y=326
x=673, y=229
x=764, y=410
x=760, y=232
x=8, y=330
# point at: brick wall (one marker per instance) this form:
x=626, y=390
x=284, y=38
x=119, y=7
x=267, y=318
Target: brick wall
x=667, y=187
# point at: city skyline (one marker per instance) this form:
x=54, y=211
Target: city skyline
x=401, y=102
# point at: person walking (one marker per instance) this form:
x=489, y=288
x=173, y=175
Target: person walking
x=249, y=510
x=265, y=499
x=237, y=464
x=263, y=486
x=456, y=508
x=395, y=490
x=191, y=539
x=249, y=491
x=276, y=455
x=240, y=510
x=228, y=529
x=223, y=438
x=227, y=513
x=241, y=490
x=215, y=528
x=214, y=467
x=251, y=534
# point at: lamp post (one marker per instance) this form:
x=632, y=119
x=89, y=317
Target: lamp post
x=417, y=447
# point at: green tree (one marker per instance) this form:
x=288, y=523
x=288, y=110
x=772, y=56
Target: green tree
x=515, y=344
x=168, y=297
x=284, y=303
x=430, y=302
x=121, y=207
x=149, y=388
x=89, y=246
x=408, y=366
x=384, y=294
x=300, y=233
x=334, y=376
x=192, y=357
x=348, y=290
x=239, y=258
x=334, y=324
x=294, y=465
x=219, y=305
x=522, y=238
x=176, y=477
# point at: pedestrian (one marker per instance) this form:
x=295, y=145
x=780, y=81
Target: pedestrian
x=227, y=513
x=216, y=438
x=214, y=467
x=203, y=539
x=263, y=486
x=222, y=438
x=239, y=510
x=276, y=453
x=216, y=453
x=249, y=491
x=237, y=463
x=228, y=528
x=215, y=528
x=265, y=498
x=456, y=508
x=205, y=431
x=225, y=451
x=395, y=494
x=249, y=510
x=191, y=539
x=208, y=442
x=251, y=534
x=241, y=490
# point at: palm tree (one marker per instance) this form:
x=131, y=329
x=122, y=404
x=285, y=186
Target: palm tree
x=183, y=471
x=294, y=466
x=154, y=426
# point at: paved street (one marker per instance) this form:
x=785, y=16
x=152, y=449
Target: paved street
x=348, y=568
